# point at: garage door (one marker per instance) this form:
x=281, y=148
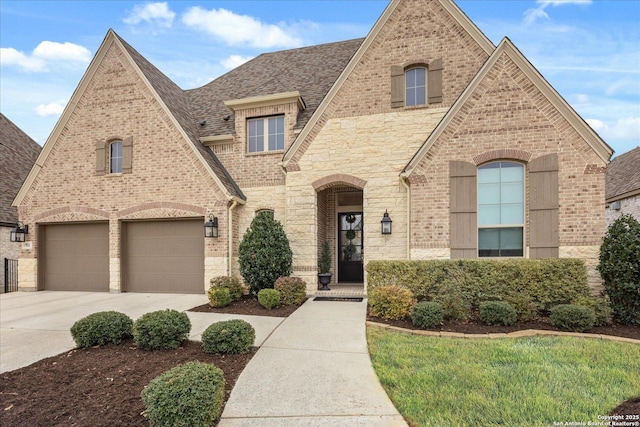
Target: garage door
x=76, y=257
x=164, y=256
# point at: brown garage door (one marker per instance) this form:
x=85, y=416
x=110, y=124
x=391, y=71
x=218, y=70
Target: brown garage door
x=75, y=257
x=164, y=256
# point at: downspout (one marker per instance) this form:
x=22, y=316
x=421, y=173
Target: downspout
x=404, y=179
x=230, y=238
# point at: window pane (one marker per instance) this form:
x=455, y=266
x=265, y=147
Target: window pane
x=115, y=157
x=488, y=174
x=276, y=133
x=256, y=135
x=410, y=98
x=420, y=96
x=415, y=86
x=489, y=214
x=511, y=238
x=488, y=194
x=512, y=192
x=511, y=214
x=512, y=172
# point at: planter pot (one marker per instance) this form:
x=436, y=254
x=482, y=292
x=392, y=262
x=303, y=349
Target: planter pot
x=324, y=279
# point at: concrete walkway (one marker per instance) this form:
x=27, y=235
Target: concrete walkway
x=314, y=370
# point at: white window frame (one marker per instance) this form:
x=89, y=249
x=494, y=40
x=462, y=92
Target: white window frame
x=118, y=157
x=267, y=131
x=415, y=88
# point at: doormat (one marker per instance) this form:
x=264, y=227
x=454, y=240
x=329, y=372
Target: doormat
x=346, y=299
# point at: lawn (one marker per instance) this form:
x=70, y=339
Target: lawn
x=532, y=381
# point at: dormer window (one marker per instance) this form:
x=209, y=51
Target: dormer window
x=265, y=134
x=415, y=81
x=115, y=157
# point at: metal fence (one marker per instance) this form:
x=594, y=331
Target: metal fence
x=10, y=275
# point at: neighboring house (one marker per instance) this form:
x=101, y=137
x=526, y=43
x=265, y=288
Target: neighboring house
x=18, y=152
x=623, y=186
x=464, y=144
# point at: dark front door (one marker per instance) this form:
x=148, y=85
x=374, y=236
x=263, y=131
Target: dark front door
x=350, y=248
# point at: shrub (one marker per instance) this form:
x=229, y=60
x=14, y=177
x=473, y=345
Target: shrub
x=219, y=297
x=572, y=317
x=264, y=252
x=498, y=313
x=228, y=337
x=189, y=395
x=620, y=268
x=102, y=328
x=293, y=290
x=391, y=302
x=269, y=298
x=427, y=314
x=161, y=330
x=233, y=284
x=600, y=306
x=324, y=261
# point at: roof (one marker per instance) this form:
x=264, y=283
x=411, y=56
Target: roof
x=18, y=152
x=623, y=176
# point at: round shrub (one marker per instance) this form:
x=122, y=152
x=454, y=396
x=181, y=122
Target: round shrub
x=498, y=313
x=269, y=298
x=233, y=284
x=572, y=317
x=228, y=337
x=600, y=306
x=189, y=395
x=427, y=314
x=219, y=297
x=293, y=290
x=105, y=327
x=391, y=302
x=161, y=330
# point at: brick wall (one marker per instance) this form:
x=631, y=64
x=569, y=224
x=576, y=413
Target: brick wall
x=630, y=206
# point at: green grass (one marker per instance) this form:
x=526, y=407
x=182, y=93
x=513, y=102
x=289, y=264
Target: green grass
x=533, y=381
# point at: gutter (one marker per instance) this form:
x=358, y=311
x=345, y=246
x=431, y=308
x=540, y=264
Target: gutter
x=404, y=180
x=230, y=235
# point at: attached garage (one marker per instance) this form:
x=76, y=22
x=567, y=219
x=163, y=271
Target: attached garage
x=163, y=256
x=74, y=257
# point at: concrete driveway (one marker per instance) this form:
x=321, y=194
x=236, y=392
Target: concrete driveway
x=36, y=325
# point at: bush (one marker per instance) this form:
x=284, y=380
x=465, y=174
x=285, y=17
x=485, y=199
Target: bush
x=219, y=297
x=498, y=313
x=600, y=306
x=619, y=268
x=228, y=337
x=264, y=252
x=572, y=317
x=233, y=284
x=102, y=328
x=269, y=298
x=427, y=314
x=161, y=330
x=391, y=302
x=189, y=395
x=293, y=290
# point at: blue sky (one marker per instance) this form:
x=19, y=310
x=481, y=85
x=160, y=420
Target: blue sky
x=589, y=50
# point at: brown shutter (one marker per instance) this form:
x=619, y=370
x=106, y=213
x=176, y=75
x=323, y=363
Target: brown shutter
x=434, y=81
x=127, y=151
x=544, y=224
x=100, y=157
x=397, y=86
x=463, y=205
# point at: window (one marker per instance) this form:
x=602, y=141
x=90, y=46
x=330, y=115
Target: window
x=270, y=127
x=501, y=209
x=415, y=86
x=115, y=157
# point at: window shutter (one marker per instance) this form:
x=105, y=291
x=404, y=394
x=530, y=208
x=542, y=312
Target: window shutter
x=397, y=86
x=544, y=223
x=100, y=157
x=463, y=209
x=434, y=82
x=127, y=151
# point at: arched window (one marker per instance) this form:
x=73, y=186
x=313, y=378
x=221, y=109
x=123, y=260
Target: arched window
x=115, y=157
x=415, y=81
x=501, y=209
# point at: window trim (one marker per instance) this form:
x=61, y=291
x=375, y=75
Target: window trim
x=265, y=135
x=415, y=88
x=111, y=156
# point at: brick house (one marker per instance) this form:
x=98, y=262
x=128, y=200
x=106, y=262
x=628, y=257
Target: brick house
x=623, y=186
x=463, y=144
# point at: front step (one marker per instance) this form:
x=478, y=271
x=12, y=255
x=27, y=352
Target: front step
x=346, y=290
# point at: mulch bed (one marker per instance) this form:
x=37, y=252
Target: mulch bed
x=248, y=304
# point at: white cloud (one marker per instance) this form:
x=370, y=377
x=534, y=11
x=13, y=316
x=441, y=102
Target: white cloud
x=45, y=52
x=531, y=15
x=153, y=13
x=236, y=29
x=623, y=129
x=10, y=56
x=53, y=109
x=234, y=61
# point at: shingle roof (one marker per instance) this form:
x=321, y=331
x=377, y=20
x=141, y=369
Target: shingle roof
x=623, y=175
x=18, y=153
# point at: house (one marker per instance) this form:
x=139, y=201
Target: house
x=623, y=186
x=18, y=152
x=461, y=144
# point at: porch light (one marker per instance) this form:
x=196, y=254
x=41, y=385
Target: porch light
x=211, y=227
x=18, y=233
x=386, y=223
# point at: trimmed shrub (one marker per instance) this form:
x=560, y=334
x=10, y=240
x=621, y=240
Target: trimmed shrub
x=498, y=313
x=264, y=253
x=161, y=330
x=427, y=314
x=233, y=284
x=293, y=290
x=620, y=268
x=219, y=297
x=269, y=298
x=228, y=337
x=391, y=302
x=572, y=317
x=189, y=395
x=600, y=306
x=102, y=328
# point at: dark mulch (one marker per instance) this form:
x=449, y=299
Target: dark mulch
x=248, y=304
x=629, y=407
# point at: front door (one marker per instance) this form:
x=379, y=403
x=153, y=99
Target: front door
x=350, y=248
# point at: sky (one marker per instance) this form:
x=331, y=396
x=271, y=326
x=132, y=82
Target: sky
x=588, y=50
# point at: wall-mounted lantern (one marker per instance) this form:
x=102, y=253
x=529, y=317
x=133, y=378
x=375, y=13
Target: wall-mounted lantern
x=386, y=223
x=18, y=234
x=211, y=227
